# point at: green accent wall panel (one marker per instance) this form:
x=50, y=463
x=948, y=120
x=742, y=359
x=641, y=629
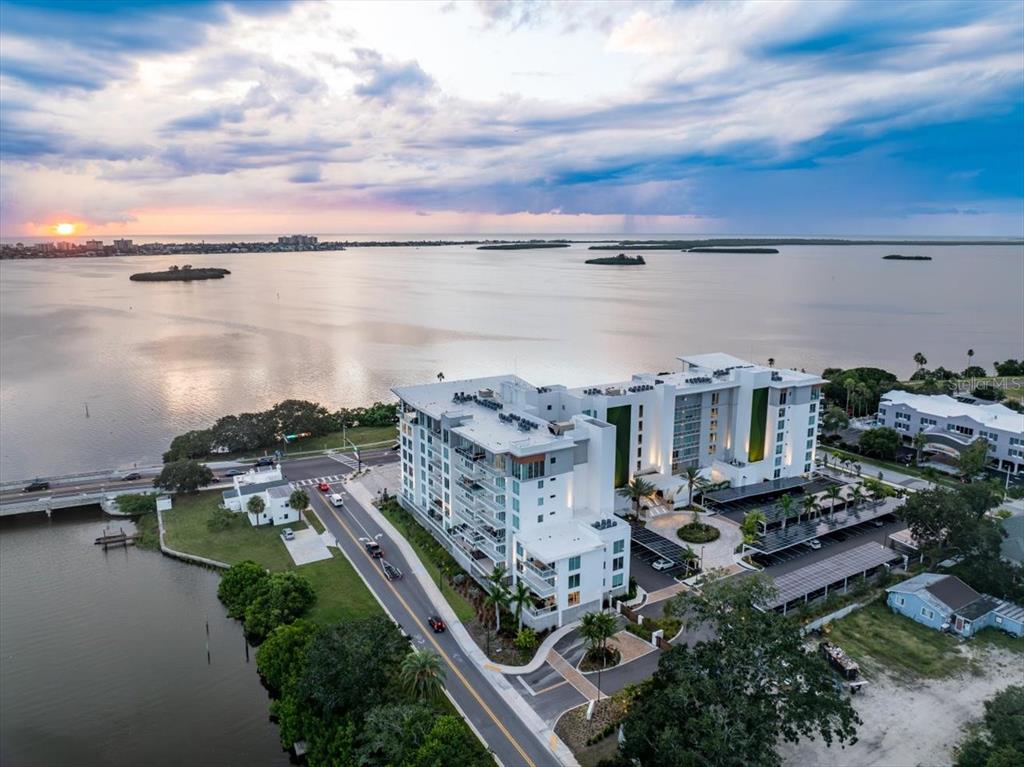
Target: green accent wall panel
x=621, y=417
x=758, y=424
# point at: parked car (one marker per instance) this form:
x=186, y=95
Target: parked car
x=36, y=486
x=814, y=543
x=234, y=472
x=288, y=534
x=265, y=461
x=131, y=477
x=323, y=487
x=373, y=549
x=662, y=564
x=436, y=624
x=337, y=500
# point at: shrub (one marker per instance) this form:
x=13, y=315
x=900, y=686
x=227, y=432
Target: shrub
x=220, y=520
x=698, y=532
x=281, y=599
x=637, y=630
x=136, y=503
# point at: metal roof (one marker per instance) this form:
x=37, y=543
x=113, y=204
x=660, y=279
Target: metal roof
x=806, y=580
x=660, y=545
x=780, y=539
x=752, y=491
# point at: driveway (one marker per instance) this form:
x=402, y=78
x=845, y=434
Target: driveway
x=718, y=553
x=307, y=547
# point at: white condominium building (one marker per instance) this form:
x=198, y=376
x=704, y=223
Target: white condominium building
x=950, y=425
x=506, y=473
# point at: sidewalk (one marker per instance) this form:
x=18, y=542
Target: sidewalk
x=492, y=673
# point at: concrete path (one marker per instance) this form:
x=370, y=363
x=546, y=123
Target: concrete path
x=666, y=593
x=572, y=676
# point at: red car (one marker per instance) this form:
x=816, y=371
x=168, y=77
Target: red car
x=436, y=623
x=323, y=487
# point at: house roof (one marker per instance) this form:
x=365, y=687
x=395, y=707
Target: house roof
x=953, y=592
x=280, y=491
x=993, y=416
x=981, y=606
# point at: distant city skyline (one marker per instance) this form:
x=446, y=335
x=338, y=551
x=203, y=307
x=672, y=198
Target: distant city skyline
x=783, y=118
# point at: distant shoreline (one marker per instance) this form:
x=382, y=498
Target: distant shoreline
x=770, y=242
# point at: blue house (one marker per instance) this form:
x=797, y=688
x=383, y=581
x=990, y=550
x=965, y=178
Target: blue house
x=946, y=603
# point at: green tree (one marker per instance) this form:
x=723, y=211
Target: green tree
x=282, y=598
x=281, y=658
x=220, y=520
x=832, y=492
x=183, y=476
x=519, y=597
x=877, y=381
x=637, y=490
x=879, y=443
x=970, y=356
x=299, y=500
x=497, y=595
x=392, y=733
x=597, y=628
x=990, y=393
x=694, y=481
x=190, y=445
x=239, y=586
x=973, y=458
x=835, y=418
x=450, y=742
x=974, y=371
x=423, y=674
x=1000, y=741
x=255, y=505
x=920, y=360
x=786, y=507
x=731, y=699
x=353, y=662
x=919, y=441
x=750, y=525
x=136, y=503
x=526, y=641
x=296, y=416
x=809, y=505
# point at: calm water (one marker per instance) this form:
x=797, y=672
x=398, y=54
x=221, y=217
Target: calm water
x=103, y=657
x=153, y=360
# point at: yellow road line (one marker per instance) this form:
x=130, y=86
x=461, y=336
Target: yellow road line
x=440, y=650
x=551, y=687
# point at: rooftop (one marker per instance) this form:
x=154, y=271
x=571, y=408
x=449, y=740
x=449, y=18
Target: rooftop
x=554, y=542
x=847, y=564
x=993, y=416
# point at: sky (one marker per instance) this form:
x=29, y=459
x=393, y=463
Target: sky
x=266, y=116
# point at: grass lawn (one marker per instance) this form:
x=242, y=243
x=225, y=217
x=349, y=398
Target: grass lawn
x=340, y=592
x=1000, y=640
x=314, y=521
x=879, y=639
x=359, y=435
x=432, y=556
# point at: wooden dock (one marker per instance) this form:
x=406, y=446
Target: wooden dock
x=115, y=540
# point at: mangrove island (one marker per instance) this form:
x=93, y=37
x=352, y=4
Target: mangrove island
x=732, y=250
x=181, y=274
x=620, y=260
x=898, y=257
x=524, y=246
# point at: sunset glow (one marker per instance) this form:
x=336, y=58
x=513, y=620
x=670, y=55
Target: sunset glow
x=64, y=229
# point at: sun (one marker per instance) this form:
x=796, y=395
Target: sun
x=65, y=229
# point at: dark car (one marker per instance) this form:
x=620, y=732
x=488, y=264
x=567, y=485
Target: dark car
x=36, y=486
x=234, y=472
x=391, y=572
x=436, y=624
x=373, y=549
x=131, y=477
x=265, y=461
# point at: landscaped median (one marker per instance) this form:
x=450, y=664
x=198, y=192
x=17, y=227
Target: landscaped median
x=341, y=593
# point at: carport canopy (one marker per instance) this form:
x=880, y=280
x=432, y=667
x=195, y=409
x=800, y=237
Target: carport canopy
x=731, y=494
x=661, y=546
x=829, y=571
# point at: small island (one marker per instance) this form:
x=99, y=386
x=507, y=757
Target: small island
x=524, y=246
x=181, y=274
x=620, y=260
x=898, y=257
x=731, y=250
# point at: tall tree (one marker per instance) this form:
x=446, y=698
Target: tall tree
x=973, y=458
x=597, y=628
x=730, y=700
x=920, y=360
x=919, y=441
x=833, y=495
x=256, y=505
x=694, y=481
x=750, y=525
x=519, y=598
x=423, y=674
x=970, y=356
x=809, y=504
x=637, y=490
x=498, y=598
x=786, y=506
x=299, y=500
x=183, y=476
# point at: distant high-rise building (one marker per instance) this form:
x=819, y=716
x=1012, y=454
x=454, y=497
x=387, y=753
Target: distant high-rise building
x=123, y=244
x=94, y=244
x=297, y=241
x=65, y=245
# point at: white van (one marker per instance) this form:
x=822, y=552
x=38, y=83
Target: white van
x=336, y=500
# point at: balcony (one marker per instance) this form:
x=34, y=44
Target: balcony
x=540, y=580
x=470, y=485
x=538, y=611
x=471, y=453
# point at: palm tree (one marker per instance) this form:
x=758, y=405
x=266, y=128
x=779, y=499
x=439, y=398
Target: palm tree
x=919, y=442
x=920, y=360
x=749, y=526
x=694, y=481
x=497, y=594
x=597, y=628
x=833, y=495
x=440, y=377
x=970, y=355
x=857, y=496
x=849, y=384
x=298, y=500
x=638, y=489
x=809, y=504
x=771, y=362
x=256, y=506
x=519, y=598
x=423, y=674
x=786, y=504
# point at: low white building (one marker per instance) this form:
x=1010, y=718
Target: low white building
x=950, y=425
x=504, y=472
x=268, y=484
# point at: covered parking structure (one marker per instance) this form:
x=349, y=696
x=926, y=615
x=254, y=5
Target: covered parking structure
x=735, y=502
x=778, y=539
x=649, y=546
x=830, y=574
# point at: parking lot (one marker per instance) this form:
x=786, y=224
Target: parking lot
x=803, y=555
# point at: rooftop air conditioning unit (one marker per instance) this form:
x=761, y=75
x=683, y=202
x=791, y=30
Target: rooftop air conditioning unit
x=486, y=394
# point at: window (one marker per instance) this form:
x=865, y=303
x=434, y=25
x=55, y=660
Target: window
x=780, y=425
x=618, y=547
x=639, y=452
x=617, y=581
x=810, y=421
x=574, y=563
x=810, y=432
x=778, y=449
x=554, y=459
x=900, y=600
x=639, y=439
x=617, y=563
x=515, y=504
x=780, y=437
x=540, y=501
x=515, y=526
x=814, y=407
x=777, y=474
x=640, y=426
x=540, y=518
x=999, y=620
x=927, y=613
x=529, y=470
x=540, y=484
x=641, y=411
x=574, y=581
x=574, y=598
x=807, y=467
x=515, y=487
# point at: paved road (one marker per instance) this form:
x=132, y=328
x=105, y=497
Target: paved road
x=407, y=602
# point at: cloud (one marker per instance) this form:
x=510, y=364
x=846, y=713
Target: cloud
x=308, y=174
x=386, y=81
x=206, y=120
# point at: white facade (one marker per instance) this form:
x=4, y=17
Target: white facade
x=950, y=425
x=271, y=487
x=504, y=472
